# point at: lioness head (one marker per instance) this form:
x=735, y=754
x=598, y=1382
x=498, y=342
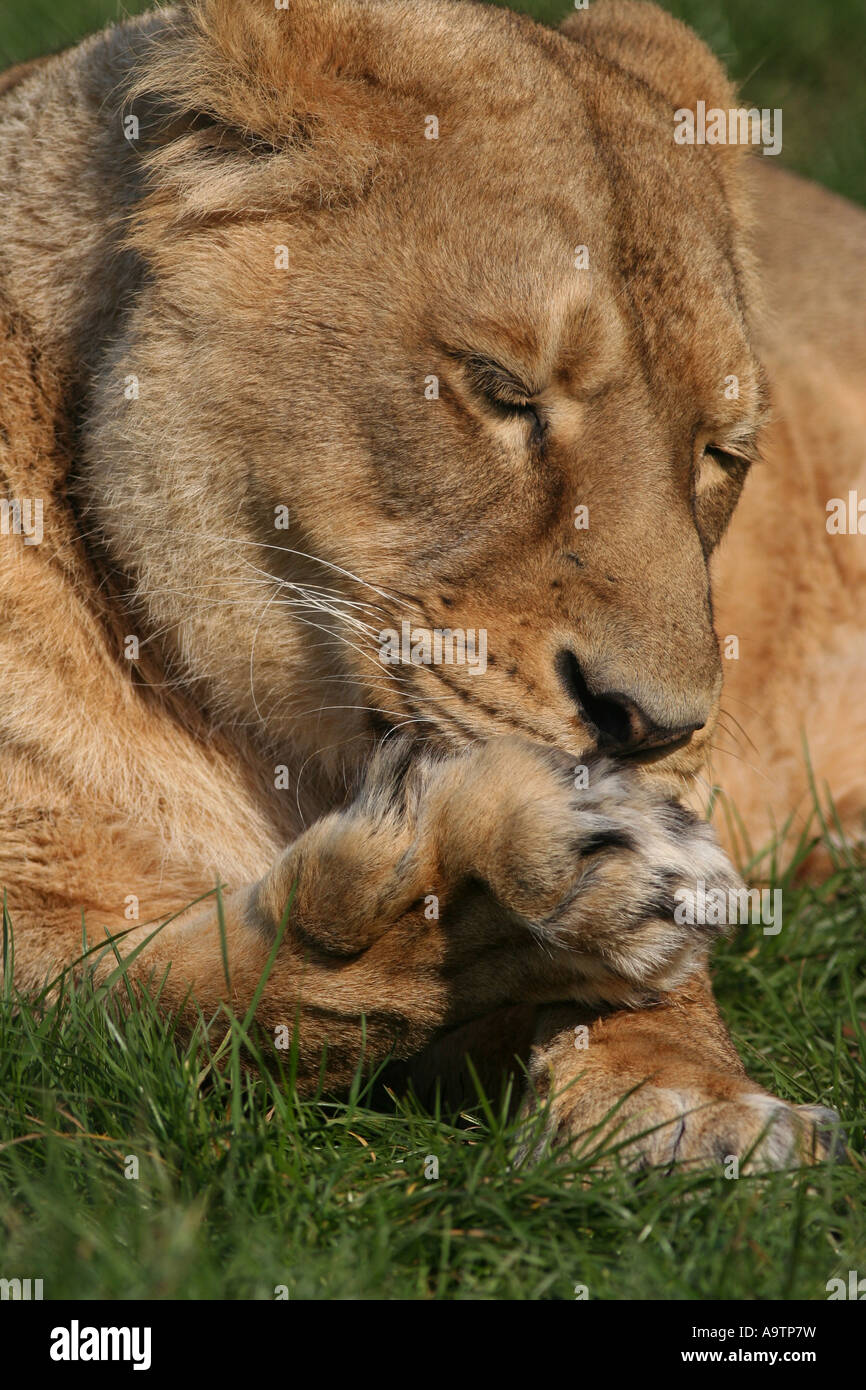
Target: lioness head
x=442, y=350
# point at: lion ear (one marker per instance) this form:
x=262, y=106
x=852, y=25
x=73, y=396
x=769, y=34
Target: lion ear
x=243, y=101
x=260, y=67
x=649, y=43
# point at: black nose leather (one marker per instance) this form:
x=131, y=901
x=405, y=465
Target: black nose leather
x=620, y=724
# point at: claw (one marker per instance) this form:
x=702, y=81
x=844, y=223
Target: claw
x=827, y=1129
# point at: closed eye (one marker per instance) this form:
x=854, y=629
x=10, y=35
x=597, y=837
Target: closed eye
x=505, y=394
x=526, y=411
x=720, y=468
x=728, y=458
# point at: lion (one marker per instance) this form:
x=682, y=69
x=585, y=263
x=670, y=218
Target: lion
x=333, y=329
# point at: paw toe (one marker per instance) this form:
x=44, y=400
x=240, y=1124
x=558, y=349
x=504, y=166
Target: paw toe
x=829, y=1139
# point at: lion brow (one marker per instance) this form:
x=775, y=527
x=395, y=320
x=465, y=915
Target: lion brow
x=493, y=379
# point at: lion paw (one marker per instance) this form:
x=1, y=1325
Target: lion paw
x=592, y=860
x=663, y=1126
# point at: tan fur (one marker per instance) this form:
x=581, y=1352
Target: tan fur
x=247, y=720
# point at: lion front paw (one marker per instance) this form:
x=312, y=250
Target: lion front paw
x=592, y=860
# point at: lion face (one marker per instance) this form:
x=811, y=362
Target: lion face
x=449, y=428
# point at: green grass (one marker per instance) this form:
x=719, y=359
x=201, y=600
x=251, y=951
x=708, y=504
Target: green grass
x=242, y=1188
x=807, y=58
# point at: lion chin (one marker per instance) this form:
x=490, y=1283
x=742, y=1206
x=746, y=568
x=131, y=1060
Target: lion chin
x=382, y=384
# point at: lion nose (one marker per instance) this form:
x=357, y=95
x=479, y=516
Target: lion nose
x=621, y=725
